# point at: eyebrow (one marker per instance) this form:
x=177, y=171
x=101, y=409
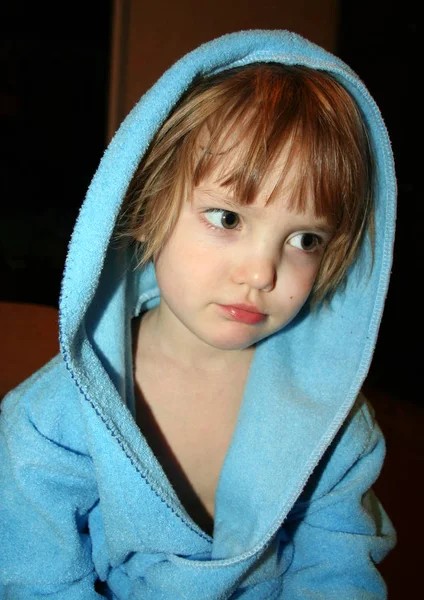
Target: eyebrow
x=318, y=226
x=223, y=200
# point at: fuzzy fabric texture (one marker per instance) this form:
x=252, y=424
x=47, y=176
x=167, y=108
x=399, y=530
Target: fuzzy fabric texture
x=82, y=496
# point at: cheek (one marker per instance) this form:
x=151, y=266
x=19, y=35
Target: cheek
x=299, y=280
x=308, y=279
x=184, y=266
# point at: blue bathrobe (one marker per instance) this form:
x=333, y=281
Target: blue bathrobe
x=86, y=510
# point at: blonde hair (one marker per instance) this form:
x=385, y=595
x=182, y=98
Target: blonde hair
x=263, y=110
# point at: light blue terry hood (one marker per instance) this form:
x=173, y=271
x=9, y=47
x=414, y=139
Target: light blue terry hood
x=303, y=380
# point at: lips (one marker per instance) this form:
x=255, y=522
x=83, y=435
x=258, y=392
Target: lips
x=243, y=313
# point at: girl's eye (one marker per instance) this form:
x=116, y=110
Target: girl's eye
x=308, y=242
x=224, y=219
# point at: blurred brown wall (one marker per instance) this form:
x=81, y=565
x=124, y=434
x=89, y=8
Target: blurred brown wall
x=150, y=36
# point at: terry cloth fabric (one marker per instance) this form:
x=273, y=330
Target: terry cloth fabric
x=86, y=510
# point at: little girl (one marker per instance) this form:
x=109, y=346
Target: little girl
x=202, y=435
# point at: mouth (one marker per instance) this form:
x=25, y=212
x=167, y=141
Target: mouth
x=243, y=313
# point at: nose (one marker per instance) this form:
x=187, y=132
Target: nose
x=258, y=273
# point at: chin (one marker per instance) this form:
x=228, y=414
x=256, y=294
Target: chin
x=233, y=342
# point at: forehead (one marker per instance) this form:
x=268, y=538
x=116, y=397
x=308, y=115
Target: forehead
x=211, y=193
x=283, y=178
x=281, y=157
x=229, y=171
x=231, y=154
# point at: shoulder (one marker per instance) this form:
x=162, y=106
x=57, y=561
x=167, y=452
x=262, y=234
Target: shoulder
x=47, y=487
x=359, y=433
x=360, y=427
x=46, y=403
x=355, y=455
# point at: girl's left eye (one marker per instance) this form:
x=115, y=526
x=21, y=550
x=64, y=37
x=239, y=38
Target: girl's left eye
x=308, y=242
x=224, y=219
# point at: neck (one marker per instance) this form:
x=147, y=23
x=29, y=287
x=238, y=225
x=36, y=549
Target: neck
x=172, y=342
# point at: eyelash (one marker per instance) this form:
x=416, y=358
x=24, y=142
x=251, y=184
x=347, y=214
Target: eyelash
x=211, y=211
x=318, y=239
x=319, y=242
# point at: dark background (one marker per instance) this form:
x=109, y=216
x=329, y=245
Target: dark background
x=379, y=41
x=54, y=61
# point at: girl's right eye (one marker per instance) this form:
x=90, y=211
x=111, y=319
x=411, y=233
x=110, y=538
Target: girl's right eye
x=223, y=219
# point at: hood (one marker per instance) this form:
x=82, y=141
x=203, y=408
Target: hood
x=303, y=380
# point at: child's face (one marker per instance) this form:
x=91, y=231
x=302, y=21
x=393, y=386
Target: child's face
x=231, y=275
